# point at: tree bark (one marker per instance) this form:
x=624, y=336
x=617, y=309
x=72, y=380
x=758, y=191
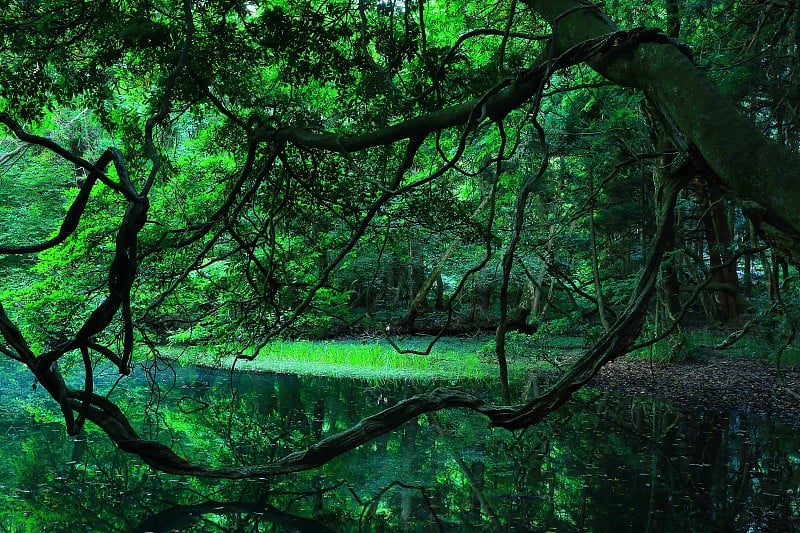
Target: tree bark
x=759, y=170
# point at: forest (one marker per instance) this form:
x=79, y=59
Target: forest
x=224, y=176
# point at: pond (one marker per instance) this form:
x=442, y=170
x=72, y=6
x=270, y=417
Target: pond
x=602, y=463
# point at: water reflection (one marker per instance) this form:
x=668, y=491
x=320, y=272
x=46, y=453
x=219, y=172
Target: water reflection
x=605, y=463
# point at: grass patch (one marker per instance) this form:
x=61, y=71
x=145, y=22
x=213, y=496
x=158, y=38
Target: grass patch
x=450, y=360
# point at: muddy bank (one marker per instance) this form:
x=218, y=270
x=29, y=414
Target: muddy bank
x=717, y=384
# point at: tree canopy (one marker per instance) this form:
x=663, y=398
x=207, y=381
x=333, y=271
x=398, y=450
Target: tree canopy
x=231, y=172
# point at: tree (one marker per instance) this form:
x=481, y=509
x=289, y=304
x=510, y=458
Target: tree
x=325, y=122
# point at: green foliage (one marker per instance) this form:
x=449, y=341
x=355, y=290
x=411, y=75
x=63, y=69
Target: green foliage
x=346, y=69
x=282, y=208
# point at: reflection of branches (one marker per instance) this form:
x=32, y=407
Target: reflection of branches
x=476, y=487
x=183, y=517
x=372, y=503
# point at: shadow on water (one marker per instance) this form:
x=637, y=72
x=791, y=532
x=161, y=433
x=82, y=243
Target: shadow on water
x=603, y=463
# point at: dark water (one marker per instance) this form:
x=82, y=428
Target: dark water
x=603, y=463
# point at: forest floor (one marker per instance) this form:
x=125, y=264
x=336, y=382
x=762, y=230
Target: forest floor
x=716, y=384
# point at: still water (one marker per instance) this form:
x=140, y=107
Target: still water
x=603, y=463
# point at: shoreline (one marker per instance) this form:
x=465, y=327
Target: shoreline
x=747, y=386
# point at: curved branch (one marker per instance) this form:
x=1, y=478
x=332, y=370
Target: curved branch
x=96, y=169
x=496, y=104
x=595, y=43
x=78, y=206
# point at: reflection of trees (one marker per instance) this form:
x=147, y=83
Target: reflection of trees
x=473, y=474
x=400, y=475
x=740, y=477
x=241, y=517
x=625, y=464
x=713, y=463
x=607, y=463
x=60, y=484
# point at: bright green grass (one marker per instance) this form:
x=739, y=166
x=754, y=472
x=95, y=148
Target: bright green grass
x=450, y=360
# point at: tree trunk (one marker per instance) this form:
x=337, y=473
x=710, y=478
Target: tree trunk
x=420, y=300
x=598, y=288
x=723, y=270
x=762, y=172
x=670, y=285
